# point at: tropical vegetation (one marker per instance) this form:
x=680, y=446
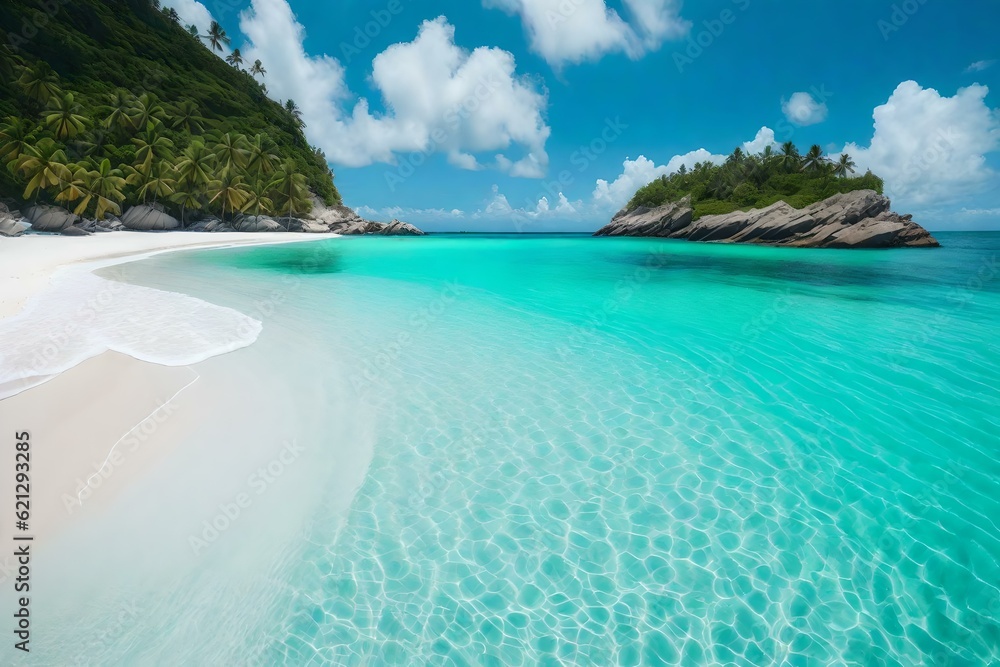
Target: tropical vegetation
x=119, y=104
x=746, y=180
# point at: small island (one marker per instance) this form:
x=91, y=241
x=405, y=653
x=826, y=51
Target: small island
x=770, y=198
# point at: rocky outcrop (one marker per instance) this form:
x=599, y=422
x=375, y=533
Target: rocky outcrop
x=75, y=230
x=397, y=228
x=149, y=217
x=109, y=224
x=343, y=220
x=860, y=219
x=257, y=223
x=49, y=218
x=10, y=222
x=643, y=221
x=210, y=224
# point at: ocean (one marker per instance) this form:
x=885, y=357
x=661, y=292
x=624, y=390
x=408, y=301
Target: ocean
x=561, y=450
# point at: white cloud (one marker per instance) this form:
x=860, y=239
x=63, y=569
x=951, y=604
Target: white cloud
x=764, y=138
x=992, y=212
x=930, y=148
x=642, y=171
x=438, y=97
x=192, y=12
x=465, y=161
x=980, y=65
x=573, y=31
x=635, y=174
x=802, y=109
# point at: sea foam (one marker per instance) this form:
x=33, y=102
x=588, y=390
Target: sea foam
x=82, y=315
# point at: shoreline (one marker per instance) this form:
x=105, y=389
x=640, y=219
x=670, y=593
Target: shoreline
x=110, y=411
x=26, y=274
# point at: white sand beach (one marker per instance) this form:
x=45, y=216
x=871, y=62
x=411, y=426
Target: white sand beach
x=103, y=418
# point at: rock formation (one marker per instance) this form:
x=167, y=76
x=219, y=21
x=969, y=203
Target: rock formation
x=860, y=219
x=343, y=220
x=10, y=222
x=49, y=218
x=148, y=217
x=257, y=223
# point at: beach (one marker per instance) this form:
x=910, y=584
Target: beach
x=90, y=417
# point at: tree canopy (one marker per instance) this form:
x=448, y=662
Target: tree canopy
x=108, y=79
x=744, y=181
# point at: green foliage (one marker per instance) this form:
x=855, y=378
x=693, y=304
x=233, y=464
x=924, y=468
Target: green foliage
x=130, y=56
x=746, y=181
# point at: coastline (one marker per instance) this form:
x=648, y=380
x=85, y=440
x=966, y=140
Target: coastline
x=113, y=410
x=28, y=263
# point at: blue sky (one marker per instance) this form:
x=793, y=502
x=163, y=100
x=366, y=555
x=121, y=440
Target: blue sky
x=585, y=100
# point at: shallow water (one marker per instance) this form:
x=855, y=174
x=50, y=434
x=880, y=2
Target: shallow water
x=615, y=452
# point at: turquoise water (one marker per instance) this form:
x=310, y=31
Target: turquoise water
x=630, y=452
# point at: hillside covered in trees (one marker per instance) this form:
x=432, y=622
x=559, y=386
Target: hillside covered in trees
x=746, y=181
x=109, y=103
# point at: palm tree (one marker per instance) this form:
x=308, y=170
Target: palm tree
x=194, y=171
x=767, y=155
x=290, y=188
x=157, y=181
x=258, y=68
x=103, y=186
x=231, y=150
x=39, y=83
x=63, y=119
x=217, y=37
x=235, y=59
x=147, y=109
x=261, y=161
x=45, y=166
x=187, y=117
x=293, y=109
x=789, y=158
x=230, y=191
x=258, y=202
x=814, y=159
x=151, y=148
x=193, y=30
x=10, y=63
x=17, y=137
x=120, y=105
x=844, y=166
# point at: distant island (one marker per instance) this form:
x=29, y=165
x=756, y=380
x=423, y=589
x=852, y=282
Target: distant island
x=128, y=120
x=771, y=198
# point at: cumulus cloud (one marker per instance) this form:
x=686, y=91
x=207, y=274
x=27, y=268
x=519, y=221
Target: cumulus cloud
x=642, y=171
x=573, y=31
x=803, y=109
x=764, y=138
x=192, y=12
x=931, y=148
x=438, y=97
